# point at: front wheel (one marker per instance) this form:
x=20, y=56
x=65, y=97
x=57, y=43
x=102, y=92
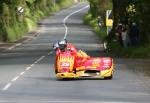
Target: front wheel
x=109, y=78
x=56, y=71
x=74, y=70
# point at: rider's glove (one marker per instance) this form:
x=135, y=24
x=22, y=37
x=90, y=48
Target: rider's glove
x=55, y=46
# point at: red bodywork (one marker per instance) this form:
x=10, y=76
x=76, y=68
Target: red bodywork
x=68, y=62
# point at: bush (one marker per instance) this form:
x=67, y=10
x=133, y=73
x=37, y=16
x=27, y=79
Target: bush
x=15, y=26
x=101, y=32
x=132, y=52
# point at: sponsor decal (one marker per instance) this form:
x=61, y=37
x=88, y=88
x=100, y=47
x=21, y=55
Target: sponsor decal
x=91, y=67
x=95, y=64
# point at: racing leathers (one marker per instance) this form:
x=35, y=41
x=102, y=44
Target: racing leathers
x=80, y=55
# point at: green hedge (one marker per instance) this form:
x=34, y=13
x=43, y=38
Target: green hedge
x=101, y=32
x=14, y=26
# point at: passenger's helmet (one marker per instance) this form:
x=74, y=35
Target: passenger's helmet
x=62, y=44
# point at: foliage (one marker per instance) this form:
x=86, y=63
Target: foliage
x=99, y=7
x=134, y=52
x=134, y=11
x=14, y=24
x=125, y=11
x=93, y=22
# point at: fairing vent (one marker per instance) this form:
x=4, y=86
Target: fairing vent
x=92, y=71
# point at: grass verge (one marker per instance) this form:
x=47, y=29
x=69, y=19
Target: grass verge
x=101, y=32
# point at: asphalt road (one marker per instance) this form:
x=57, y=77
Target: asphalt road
x=27, y=71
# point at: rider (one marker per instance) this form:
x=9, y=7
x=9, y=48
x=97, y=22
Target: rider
x=64, y=46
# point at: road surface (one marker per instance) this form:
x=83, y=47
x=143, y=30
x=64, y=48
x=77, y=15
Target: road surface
x=27, y=71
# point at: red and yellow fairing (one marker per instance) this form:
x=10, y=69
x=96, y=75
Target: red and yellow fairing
x=65, y=66
x=65, y=62
x=102, y=64
x=68, y=61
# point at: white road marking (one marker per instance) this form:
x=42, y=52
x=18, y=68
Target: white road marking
x=32, y=65
x=22, y=73
x=26, y=41
x=10, y=48
x=14, y=79
x=17, y=77
x=42, y=57
x=7, y=86
x=64, y=21
x=18, y=44
x=28, y=68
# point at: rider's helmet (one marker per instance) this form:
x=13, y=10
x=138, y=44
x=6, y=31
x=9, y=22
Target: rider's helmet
x=62, y=44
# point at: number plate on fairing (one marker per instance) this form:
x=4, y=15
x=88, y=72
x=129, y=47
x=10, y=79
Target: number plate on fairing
x=65, y=64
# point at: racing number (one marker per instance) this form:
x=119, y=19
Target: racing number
x=65, y=64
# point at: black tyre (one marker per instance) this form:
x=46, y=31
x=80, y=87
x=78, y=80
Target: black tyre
x=109, y=78
x=56, y=71
x=74, y=70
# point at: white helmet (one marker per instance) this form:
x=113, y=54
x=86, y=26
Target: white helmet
x=62, y=44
